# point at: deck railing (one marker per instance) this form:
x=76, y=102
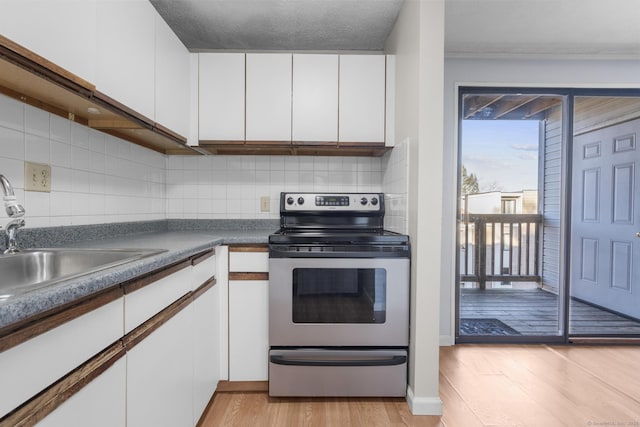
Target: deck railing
x=499, y=248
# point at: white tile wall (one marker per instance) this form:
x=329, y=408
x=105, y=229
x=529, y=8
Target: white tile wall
x=95, y=178
x=230, y=187
x=396, y=188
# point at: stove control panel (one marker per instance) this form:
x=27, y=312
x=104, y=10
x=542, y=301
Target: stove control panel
x=319, y=202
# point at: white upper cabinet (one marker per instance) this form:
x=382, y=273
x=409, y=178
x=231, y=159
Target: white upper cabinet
x=315, y=98
x=268, y=97
x=362, y=98
x=61, y=32
x=172, y=80
x=221, y=96
x=126, y=53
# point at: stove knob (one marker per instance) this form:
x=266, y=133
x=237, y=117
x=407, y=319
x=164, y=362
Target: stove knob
x=363, y=201
x=301, y=200
x=374, y=201
x=289, y=200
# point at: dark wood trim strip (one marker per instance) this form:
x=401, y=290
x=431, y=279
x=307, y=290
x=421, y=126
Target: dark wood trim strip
x=244, y=386
x=168, y=133
x=139, y=283
x=248, y=276
x=248, y=248
x=20, y=332
x=45, y=402
x=134, y=337
x=30, y=61
x=197, y=259
x=210, y=283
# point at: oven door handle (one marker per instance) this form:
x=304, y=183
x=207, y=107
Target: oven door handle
x=390, y=361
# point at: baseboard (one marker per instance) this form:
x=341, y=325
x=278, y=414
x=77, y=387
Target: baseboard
x=423, y=405
x=447, y=340
x=242, y=386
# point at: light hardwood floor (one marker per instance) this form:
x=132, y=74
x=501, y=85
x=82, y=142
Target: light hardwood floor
x=480, y=385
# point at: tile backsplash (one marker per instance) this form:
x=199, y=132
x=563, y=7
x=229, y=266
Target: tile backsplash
x=213, y=187
x=97, y=178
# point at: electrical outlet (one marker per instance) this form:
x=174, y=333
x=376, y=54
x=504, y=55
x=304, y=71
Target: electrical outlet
x=37, y=177
x=265, y=203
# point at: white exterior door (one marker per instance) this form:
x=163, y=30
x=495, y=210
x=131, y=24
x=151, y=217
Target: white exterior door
x=605, y=260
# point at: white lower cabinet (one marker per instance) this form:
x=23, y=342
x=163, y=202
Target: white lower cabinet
x=101, y=403
x=248, y=330
x=39, y=362
x=160, y=376
x=206, y=349
x=165, y=378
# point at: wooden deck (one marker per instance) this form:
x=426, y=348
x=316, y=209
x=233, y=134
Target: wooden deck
x=535, y=312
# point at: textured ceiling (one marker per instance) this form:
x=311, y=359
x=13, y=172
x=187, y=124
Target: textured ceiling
x=564, y=28
x=292, y=25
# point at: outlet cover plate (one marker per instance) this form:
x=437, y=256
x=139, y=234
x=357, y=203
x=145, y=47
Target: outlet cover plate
x=265, y=204
x=37, y=177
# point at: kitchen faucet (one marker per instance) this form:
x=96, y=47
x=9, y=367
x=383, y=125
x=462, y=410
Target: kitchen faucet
x=15, y=211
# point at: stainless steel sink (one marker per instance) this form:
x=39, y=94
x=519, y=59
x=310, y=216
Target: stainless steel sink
x=34, y=269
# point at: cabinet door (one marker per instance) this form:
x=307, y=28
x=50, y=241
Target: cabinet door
x=101, y=403
x=206, y=355
x=144, y=303
x=172, y=80
x=268, y=111
x=126, y=53
x=221, y=96
x=160, y=376
x=362, y=98
x=37, y=363
x=315, y=98
x=248, y=330
x=62, y=32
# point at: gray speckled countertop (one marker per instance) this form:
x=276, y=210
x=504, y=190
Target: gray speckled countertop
x=178, y=245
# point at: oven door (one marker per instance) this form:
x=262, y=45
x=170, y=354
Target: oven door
x=339, y=302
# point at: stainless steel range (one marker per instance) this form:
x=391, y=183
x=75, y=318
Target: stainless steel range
x=338, y=298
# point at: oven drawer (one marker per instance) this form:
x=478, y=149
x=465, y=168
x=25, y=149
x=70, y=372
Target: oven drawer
x=327, y=372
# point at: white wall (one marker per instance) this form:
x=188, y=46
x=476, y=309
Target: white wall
x=95, y=178
x=417, y=41
x=522, y=72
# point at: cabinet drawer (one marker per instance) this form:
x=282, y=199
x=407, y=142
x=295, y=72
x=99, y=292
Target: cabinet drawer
x=35, y=364
x=145, y=302
x=203, y=271
x=249, y=262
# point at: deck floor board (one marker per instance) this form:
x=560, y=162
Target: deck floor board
x=535, y=312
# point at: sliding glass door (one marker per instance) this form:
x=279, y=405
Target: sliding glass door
x=549, y=215
x=509, y=223
x=605, y=244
